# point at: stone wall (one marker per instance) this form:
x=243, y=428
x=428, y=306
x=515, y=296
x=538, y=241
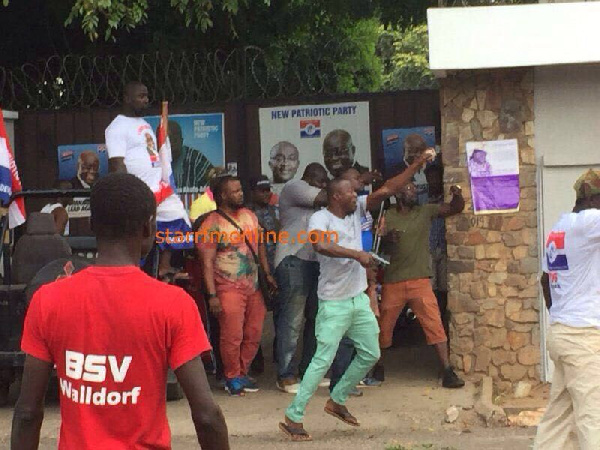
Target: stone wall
x=493, y=259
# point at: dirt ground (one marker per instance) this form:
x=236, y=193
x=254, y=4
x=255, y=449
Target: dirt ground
x=406, y=413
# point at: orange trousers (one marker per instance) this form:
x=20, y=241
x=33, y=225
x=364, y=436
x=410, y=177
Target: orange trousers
x=241, y=324
x=421, y=299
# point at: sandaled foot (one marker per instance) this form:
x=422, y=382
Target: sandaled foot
x=295, y=431
x=341, y=412
x=167, y=277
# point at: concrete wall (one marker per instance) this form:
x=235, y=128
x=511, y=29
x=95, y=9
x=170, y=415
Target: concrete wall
x=493, y=259
x=567, y=111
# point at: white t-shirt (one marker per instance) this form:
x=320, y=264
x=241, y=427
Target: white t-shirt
x=572, y=261
x=132, y=138
x=341, y=278
x=51, y=207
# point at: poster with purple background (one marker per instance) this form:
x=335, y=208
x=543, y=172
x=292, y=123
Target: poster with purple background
x=494, y=172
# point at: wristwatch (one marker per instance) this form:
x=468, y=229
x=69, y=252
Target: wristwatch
x=211, y=295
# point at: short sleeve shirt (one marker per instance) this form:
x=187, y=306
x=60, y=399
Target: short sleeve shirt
x=410, y=257
x=235, y=267
x=112, y=332
x=571, y=259
x=296, y=205
x=341, y=278
x=133, y=139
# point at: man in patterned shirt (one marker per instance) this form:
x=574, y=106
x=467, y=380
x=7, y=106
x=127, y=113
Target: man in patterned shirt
x=230, y=275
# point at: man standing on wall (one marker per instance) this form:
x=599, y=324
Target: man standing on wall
x=132, y=148
x=571, y=288
x=344, y=308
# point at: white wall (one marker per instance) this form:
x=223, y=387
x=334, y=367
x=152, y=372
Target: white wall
x=513, y=36
x=567, y=131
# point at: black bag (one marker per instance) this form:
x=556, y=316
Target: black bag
x=263, y=284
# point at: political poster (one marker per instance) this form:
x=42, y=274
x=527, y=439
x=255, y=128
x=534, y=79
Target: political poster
x=398, y=144
x=82, y=164
x=197, y=145
x=335, y=135
x=494, y=171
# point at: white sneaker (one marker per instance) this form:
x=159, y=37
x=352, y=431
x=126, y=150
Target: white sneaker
x=325, y=383
x=288, y=386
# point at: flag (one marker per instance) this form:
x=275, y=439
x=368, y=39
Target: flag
x=10, y=182
x=167, y=183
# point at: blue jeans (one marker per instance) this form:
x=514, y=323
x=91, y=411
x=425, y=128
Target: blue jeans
x=297, y=300
x=343, y=358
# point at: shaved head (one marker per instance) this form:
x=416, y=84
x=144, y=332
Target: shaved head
x=315, y=175
x=336, y=186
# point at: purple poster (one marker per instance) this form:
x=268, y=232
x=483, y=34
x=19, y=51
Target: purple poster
x=494, y=172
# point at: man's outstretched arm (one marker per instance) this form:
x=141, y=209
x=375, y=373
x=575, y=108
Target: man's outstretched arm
x=208, y=418
x=29, y=411
x=394, y=184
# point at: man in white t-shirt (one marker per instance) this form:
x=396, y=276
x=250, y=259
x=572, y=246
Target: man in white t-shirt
x=132, y=148
x=344, y=308
x=571, y=287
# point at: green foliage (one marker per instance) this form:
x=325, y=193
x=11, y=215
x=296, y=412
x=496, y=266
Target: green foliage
x=405, y=58
x=112, y=15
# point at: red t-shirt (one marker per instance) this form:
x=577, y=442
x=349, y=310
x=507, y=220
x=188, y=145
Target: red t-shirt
x=112, y=332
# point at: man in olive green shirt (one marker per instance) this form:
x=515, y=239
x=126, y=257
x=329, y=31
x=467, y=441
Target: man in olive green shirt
x=407, y=278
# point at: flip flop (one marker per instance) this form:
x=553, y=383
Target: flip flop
x=167, y=277
x=297, y=434
x=344, y=416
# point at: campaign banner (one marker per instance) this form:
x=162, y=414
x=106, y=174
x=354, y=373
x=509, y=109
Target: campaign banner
x=82, y=164
x=397, y=145
x=494, y=171
x=197, y=145
x=335, y=135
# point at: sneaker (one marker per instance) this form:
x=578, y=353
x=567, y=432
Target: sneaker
x=451, y=380
x=235, y=387
x=369, y=382
x=355, y=392
x=288, y=385
x=378, y=372
x=249, y=384
x=325, y=383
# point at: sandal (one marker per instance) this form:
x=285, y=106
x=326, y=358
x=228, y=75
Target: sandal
x=167, y=277
x=296, y=432
x=342, y=414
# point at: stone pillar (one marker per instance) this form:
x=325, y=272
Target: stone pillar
x=492, y=259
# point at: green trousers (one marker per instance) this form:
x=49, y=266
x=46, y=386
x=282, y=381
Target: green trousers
x=350, y=317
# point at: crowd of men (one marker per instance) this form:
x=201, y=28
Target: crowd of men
x=322, y=293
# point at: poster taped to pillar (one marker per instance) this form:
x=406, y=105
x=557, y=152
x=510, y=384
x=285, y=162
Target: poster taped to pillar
x=494, y=172
x=197, y=145
x=334, y=135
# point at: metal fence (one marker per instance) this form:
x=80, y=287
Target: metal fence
x=180, y=77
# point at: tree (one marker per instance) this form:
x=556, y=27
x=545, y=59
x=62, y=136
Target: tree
x=405, y=58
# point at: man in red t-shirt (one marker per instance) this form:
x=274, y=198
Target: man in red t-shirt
x=112, y=333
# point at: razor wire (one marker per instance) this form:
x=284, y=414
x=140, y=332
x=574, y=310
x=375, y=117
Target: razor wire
x=83, y=81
